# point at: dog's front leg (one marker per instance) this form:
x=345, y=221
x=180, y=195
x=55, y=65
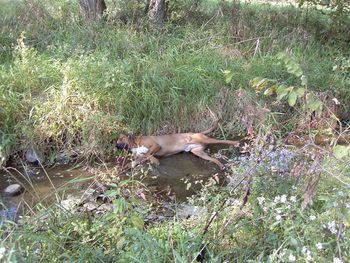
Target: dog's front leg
x=148, y=156
x=152, y=151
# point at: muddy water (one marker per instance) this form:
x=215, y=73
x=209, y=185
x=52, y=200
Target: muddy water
x=172, y=175
x=40, y=186
x=176, y=172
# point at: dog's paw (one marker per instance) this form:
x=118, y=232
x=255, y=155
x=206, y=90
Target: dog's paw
x=154, y=160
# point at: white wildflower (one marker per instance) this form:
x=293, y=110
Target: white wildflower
x=291, y=258
x=312, y=217
x=319, y=246
x=336, y=101
x=304, y=250
x=2, y=251
x=308, y=257
x=278, y=217
x=261, y=200
x=337, y=260
x=277, y=199
x=307, y=252
x=265, y=208
x=274, y=169
x=293, y=199
x=332, y=227
x=283, y=199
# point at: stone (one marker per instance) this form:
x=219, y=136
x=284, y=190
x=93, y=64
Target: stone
x=106, y=207
x=34, y=156
x=88, y=195
x=187, y=211
x=67, y=156
x=70, y=203
x=13, y=190
x=90, y=206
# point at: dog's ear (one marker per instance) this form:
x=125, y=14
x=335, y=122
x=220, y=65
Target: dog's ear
x=131, y=137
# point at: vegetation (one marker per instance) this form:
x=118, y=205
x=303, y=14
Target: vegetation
x=68, y=84
x=272, y=227
x=61, y=91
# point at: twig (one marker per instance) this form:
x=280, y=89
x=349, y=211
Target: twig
x=256, y=50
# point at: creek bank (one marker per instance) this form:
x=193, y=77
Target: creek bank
x=162, y=209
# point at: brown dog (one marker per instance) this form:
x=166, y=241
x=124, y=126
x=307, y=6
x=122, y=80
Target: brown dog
x=146, y=147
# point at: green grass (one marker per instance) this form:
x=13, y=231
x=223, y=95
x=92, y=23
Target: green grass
x=272, y=226
x=66, y=83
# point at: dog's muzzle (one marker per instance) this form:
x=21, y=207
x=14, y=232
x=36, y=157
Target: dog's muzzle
x=122, y=146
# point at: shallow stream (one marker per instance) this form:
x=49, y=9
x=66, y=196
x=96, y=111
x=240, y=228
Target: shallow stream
x=53, y=184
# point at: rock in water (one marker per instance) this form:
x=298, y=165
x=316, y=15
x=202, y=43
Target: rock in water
x=34, y=156
x=71, y=203
x=90, y=206
x=186, y=211
x=13, y=190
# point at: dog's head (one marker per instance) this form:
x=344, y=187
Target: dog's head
x=124, y=142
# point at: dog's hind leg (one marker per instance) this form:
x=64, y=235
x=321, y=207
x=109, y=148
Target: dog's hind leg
x=200, y=138
x=202, y=154
x=216, y=141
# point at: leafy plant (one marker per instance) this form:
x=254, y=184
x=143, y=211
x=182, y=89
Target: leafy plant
x=338, y=10
x=270, y=87
x=341, y=151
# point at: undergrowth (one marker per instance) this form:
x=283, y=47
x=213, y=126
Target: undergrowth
x=71, y=85
x=273, y=226
x=66, y=83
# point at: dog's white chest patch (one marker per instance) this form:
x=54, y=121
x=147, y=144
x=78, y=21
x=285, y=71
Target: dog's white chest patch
x=139, y=150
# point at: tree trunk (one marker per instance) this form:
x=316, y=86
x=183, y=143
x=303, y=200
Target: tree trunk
x=157, y=11
x=92, y=9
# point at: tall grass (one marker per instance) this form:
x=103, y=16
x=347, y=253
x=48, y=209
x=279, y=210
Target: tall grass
x=68, y=83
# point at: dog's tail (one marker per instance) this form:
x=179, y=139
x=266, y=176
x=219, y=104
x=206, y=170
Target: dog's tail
x=212, y=128
x=215, y=124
